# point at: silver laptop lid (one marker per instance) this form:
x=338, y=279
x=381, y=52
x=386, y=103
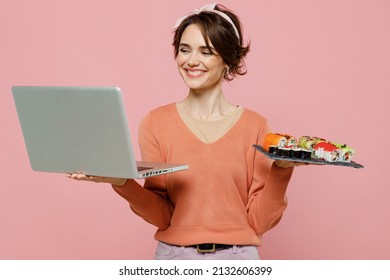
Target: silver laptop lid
x=83, y=125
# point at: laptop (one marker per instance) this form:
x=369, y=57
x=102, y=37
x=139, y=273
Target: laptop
x=80, y=130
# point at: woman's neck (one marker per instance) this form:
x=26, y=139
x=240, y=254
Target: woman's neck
x=207, y=105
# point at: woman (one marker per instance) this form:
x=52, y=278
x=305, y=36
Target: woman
x=230, y=195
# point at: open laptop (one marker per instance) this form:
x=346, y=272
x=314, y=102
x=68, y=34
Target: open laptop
x=80, y=130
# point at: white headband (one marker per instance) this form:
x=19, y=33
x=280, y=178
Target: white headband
x=208, y=8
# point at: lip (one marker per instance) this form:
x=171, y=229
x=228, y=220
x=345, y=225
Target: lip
x=194, y=73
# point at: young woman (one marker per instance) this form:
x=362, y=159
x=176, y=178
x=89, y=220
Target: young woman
x=230, y=195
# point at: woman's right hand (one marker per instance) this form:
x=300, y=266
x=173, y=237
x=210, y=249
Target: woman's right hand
x=97, y=179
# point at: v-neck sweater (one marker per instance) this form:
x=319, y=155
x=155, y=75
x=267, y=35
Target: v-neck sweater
x=210, y=131
x=230, y=193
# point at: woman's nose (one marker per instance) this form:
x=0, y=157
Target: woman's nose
x=193, y=60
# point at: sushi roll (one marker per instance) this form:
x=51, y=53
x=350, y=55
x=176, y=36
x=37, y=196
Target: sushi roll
x=300, y=153
x=296, y=153
x=326, y=151
x=284, y=152
x=308, y=142
x=291, y=141
x=306, y=154
x=274, y=139
x=345, y=152
x=272, y=149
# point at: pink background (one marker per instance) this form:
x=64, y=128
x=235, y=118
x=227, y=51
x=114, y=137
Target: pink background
x=316, y=68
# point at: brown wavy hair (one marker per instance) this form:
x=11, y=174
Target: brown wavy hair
x=221, y=35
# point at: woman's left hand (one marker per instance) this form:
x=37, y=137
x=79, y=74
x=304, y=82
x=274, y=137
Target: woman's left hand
x=97, y=179
x=287, y=164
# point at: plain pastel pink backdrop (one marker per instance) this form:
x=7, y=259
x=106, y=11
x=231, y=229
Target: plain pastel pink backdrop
x=315, y=68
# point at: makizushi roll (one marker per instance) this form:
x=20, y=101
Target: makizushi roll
x=306, y=154
x=326, y=151
x=345, y=152
x=291, y=141
x=284, y=152
x=272, y=149
x=300, y=153
x=279, y=140
x=308, y=142
x=274, y=139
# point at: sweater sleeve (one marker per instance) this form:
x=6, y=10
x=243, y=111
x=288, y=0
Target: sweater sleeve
x=267, y=194
x=151, y=201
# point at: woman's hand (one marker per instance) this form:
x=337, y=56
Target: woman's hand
x=287, y=164
x=97, y=179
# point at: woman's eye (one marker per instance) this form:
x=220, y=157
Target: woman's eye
x=184, y=50
x=207, y=53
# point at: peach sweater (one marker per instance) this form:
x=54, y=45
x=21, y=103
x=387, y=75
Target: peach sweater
x=230, y=194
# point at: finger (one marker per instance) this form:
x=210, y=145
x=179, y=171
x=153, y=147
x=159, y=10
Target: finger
x=88, y=178
x=96, y=179
x=77, y=176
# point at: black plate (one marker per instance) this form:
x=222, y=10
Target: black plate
x=312, y=160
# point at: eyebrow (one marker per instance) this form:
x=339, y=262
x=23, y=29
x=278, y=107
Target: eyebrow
x=201, y=47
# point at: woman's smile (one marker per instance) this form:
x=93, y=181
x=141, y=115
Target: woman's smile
x=194, y=73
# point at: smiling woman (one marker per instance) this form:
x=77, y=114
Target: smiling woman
x=334, y=54
x=220, y=207
x=217, y=28
x=199, y=65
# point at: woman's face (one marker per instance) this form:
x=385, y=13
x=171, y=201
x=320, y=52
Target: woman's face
x=199, y=68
